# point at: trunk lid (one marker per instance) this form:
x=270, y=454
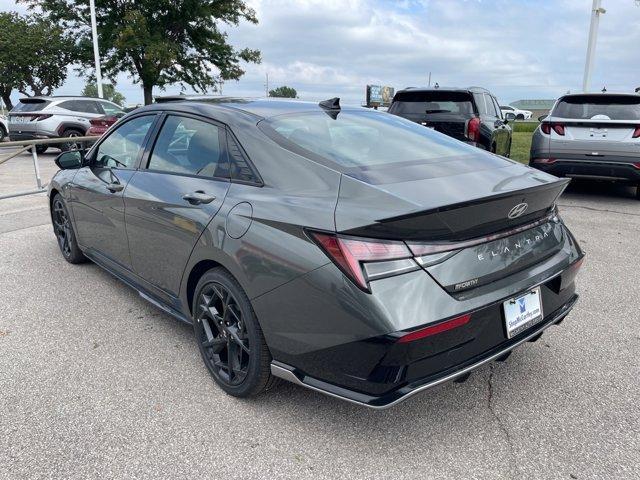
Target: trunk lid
x=446, y=203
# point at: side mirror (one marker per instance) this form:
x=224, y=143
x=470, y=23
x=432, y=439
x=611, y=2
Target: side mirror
x=542, y=117
x=69, y=160
x=509, y=116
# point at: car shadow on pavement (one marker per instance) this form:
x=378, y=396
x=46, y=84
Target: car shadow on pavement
x=599, y=191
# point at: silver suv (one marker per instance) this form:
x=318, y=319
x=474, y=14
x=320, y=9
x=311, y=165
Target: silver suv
x=54, y=117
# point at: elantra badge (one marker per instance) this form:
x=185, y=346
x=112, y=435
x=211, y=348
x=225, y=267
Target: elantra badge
x=518, y=210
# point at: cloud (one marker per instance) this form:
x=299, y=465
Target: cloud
x=517, y=49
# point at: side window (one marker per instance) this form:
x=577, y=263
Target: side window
x=89, y=106
x=482, y=107
x=491, y=109
x=122, y=147
x=69, y=105
x=189, y=146
x=496, y=107
x=110, y=109
x=240, y=168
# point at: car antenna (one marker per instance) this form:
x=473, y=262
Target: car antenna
x=331, y=107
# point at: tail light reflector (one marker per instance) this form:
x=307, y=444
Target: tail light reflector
x=636, y=132
x=435, y=329
x=473, y=129
x=352, y=255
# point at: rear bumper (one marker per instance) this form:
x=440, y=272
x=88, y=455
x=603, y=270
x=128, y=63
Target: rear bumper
x=398, y=395
x=618, y=169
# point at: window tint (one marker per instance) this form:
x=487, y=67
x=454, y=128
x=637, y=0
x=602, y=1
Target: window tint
x=189, y=146
x=431, y=103
x=602, y=107
x=122, y=147
x=496, y=107
x=364, y=140
x=32, y=106
x=110, y=108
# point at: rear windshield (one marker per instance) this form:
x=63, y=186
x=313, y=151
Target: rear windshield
x=364, y=141
x=30, y=106
x=414, y=103
x=599, y=107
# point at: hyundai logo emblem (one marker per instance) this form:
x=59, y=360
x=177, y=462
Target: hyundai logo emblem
x=518, y=210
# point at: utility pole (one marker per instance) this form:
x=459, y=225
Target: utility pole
x=596, y=11
x=96, y=53
x=429, y=78
x=266, y=85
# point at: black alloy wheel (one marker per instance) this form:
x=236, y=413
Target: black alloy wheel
x=229, y=336
x=64, y=232
x=71, y=144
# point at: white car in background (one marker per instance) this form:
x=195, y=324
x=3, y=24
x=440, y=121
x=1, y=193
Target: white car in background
x=520, y=114
x=4, y=127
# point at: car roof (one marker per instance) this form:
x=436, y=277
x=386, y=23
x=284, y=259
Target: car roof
x=256, y=107
x=601, y=94
x=43, y=98
x=445, y=89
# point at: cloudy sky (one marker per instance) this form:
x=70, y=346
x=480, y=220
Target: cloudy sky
x=516, y=48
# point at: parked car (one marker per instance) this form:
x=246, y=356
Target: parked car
x=55, y=117
x=519, y=114
x=467, y=114
x=4, y=128
x=592, y=136
x=350, y=251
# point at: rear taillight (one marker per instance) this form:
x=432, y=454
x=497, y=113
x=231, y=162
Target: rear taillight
x=363, y=260
x=545, y=161
x=435, y=329
x=636, y=133
x=546, y=128
x=473, y=129
x=637, y=165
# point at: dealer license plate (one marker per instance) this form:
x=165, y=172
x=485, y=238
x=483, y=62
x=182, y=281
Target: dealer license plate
x=522, y=312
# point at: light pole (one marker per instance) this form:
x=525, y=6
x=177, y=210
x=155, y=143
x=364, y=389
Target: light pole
x=96, y=53
x=596, y=11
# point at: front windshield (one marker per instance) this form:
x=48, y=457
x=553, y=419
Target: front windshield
x=365, y=139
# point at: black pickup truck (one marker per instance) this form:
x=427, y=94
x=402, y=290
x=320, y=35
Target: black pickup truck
x=471, y=115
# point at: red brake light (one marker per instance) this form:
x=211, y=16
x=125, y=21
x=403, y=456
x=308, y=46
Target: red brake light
x=435, y=329
x=473, y=129
x=636, y=132
x=349, y=253
x=544, y=160
x=547, y=126
x=637, y=165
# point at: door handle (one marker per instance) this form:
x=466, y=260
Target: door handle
x=198, y=197
x=115, y=187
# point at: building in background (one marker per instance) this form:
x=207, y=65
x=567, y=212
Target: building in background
x=537, y=107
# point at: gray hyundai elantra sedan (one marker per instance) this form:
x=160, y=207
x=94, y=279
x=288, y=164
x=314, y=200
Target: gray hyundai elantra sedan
x=347, y=250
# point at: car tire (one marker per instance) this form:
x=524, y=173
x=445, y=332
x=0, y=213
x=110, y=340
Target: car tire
x=40, y=149
x=229, y=336
x=71, y=132
x=638, y=192
x=64, y=231
x=3, y=133
x=520, y=117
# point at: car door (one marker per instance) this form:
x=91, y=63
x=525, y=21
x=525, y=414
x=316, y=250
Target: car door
x=503, y=129
x=172, y=198
x=97, y=190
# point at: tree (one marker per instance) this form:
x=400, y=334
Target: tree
x=159, y=42
x=283, y=92
x=34, y=55
x=108, y=90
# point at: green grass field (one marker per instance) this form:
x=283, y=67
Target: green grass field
x=520, y=146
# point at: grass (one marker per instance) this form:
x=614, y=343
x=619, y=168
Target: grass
x=526, y=126
x=520, y=146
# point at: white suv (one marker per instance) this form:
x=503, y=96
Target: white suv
x=53, y=117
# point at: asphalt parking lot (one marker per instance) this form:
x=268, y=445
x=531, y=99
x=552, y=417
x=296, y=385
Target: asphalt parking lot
x=97, y=383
